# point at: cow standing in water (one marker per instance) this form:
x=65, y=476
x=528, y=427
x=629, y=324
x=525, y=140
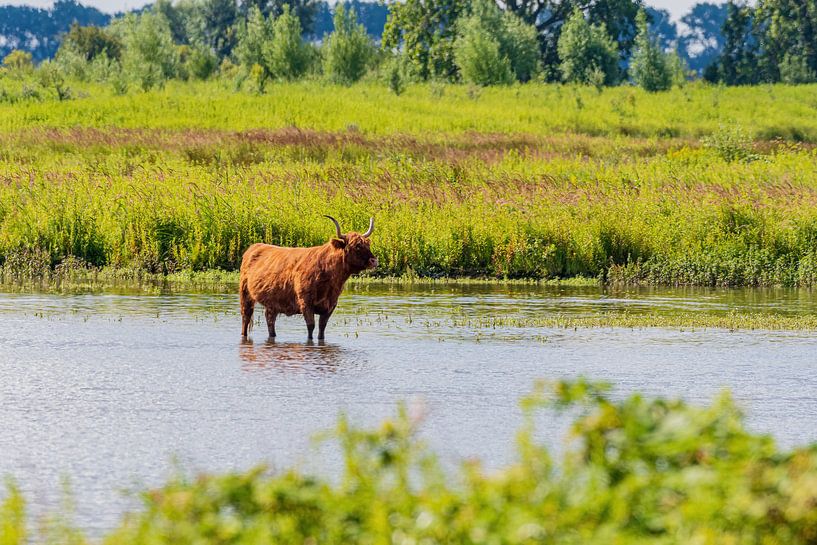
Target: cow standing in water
x=304, y=281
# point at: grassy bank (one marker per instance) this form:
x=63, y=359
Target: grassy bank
x=134, y=191
x=636, y=471
x=766, y=112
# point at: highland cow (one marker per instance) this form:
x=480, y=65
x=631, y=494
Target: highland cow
x=303, y=281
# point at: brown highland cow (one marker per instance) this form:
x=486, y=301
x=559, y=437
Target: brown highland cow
x=304, y=281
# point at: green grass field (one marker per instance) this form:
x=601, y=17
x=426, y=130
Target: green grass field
x=702, y=185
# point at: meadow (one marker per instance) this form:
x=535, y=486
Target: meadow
x=545, y=184
x=698, y=186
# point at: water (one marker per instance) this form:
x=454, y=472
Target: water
x=110, y=390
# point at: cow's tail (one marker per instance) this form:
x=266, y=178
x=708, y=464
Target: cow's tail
x=247, y=304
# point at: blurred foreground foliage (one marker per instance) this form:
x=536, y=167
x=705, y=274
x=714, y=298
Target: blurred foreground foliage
x=636, y=471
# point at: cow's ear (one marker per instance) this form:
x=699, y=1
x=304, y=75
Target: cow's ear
x=338, y=243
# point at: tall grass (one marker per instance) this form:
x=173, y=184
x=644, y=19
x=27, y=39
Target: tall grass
x=184, y=180
x=621, y=210
x=765, y=112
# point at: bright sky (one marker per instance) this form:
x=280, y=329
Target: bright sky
x=676, y=7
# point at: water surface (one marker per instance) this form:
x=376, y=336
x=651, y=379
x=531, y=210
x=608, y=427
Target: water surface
x=108, y=389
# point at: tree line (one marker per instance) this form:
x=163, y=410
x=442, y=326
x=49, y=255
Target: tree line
x=596, y=42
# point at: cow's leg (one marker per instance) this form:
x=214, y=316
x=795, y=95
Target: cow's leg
x=322, y=324
x=247, y=307
x=270, y=316
x=309, y=317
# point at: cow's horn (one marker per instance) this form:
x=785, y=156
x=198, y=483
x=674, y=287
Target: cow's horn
x=368, y=233
x=337, y=225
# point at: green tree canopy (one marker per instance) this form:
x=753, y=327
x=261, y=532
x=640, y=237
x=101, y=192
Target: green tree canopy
x=348, y=49
x=495, y=46
x=588, y=53
x=304, y=10
x=253, y=35
x=91, y=41
x=650, y=67
x=286, y=56
x=425, y=31
x=150, y=57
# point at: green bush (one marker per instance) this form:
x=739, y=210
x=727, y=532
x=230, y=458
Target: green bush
x=286, y=56
x=495, y=47
x=348, y=49
x=253, y=35
x=150, y=57
x=588, y=54
x=795, y=69
x=650, y=68
x=478, y=56
x=18, y=60
x=636, y=471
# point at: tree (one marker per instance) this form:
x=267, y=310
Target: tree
x=348, y=49
x=550, y=16
x=18, y=60
x=286, y=56
x=425, y=31
x=518, y=40
x=649, y=67
x=372, y=15
x=478, y=56
x=304, y=10
x=702, y=42
x=217, y=21
x=150, y=56
x=588, y=53
x=795, y=69
x=788, y=31
x=738, y=64
x=91, y=41
x=178, y=18
x=253, y=35
x=495, y=46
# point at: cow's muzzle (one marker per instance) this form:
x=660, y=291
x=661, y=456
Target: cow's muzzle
x=372, y=263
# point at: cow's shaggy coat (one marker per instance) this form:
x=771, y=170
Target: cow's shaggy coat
x=304, y=281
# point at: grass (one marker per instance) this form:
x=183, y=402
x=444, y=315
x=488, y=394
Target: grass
x=646, y=471
x=182, y=180
x=692, y=112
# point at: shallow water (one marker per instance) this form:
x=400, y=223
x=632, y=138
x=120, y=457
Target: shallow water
x=108, y=389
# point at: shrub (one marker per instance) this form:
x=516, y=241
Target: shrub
x=586, y=51
x=494, y=47
x=286, y=56
x=650, y=67
x=50, y=77
x=731, y=144
x=253, y=35
x=150, y=56
x=637, y=471
x=795, y=69
x=395, y=74
x=348, y=49
x=201, y=62
x=478, y=56
x=18, y=60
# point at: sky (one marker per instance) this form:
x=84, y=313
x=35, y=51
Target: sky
x=677, y=8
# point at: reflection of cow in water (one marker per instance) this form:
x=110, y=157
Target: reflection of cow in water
x=295, y=357
x=304, y=281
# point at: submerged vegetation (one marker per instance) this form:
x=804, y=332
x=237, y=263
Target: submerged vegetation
x=142, y=184
x=636, y=471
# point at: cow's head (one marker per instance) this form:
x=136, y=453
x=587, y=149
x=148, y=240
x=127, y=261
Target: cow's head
x=357, y=253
